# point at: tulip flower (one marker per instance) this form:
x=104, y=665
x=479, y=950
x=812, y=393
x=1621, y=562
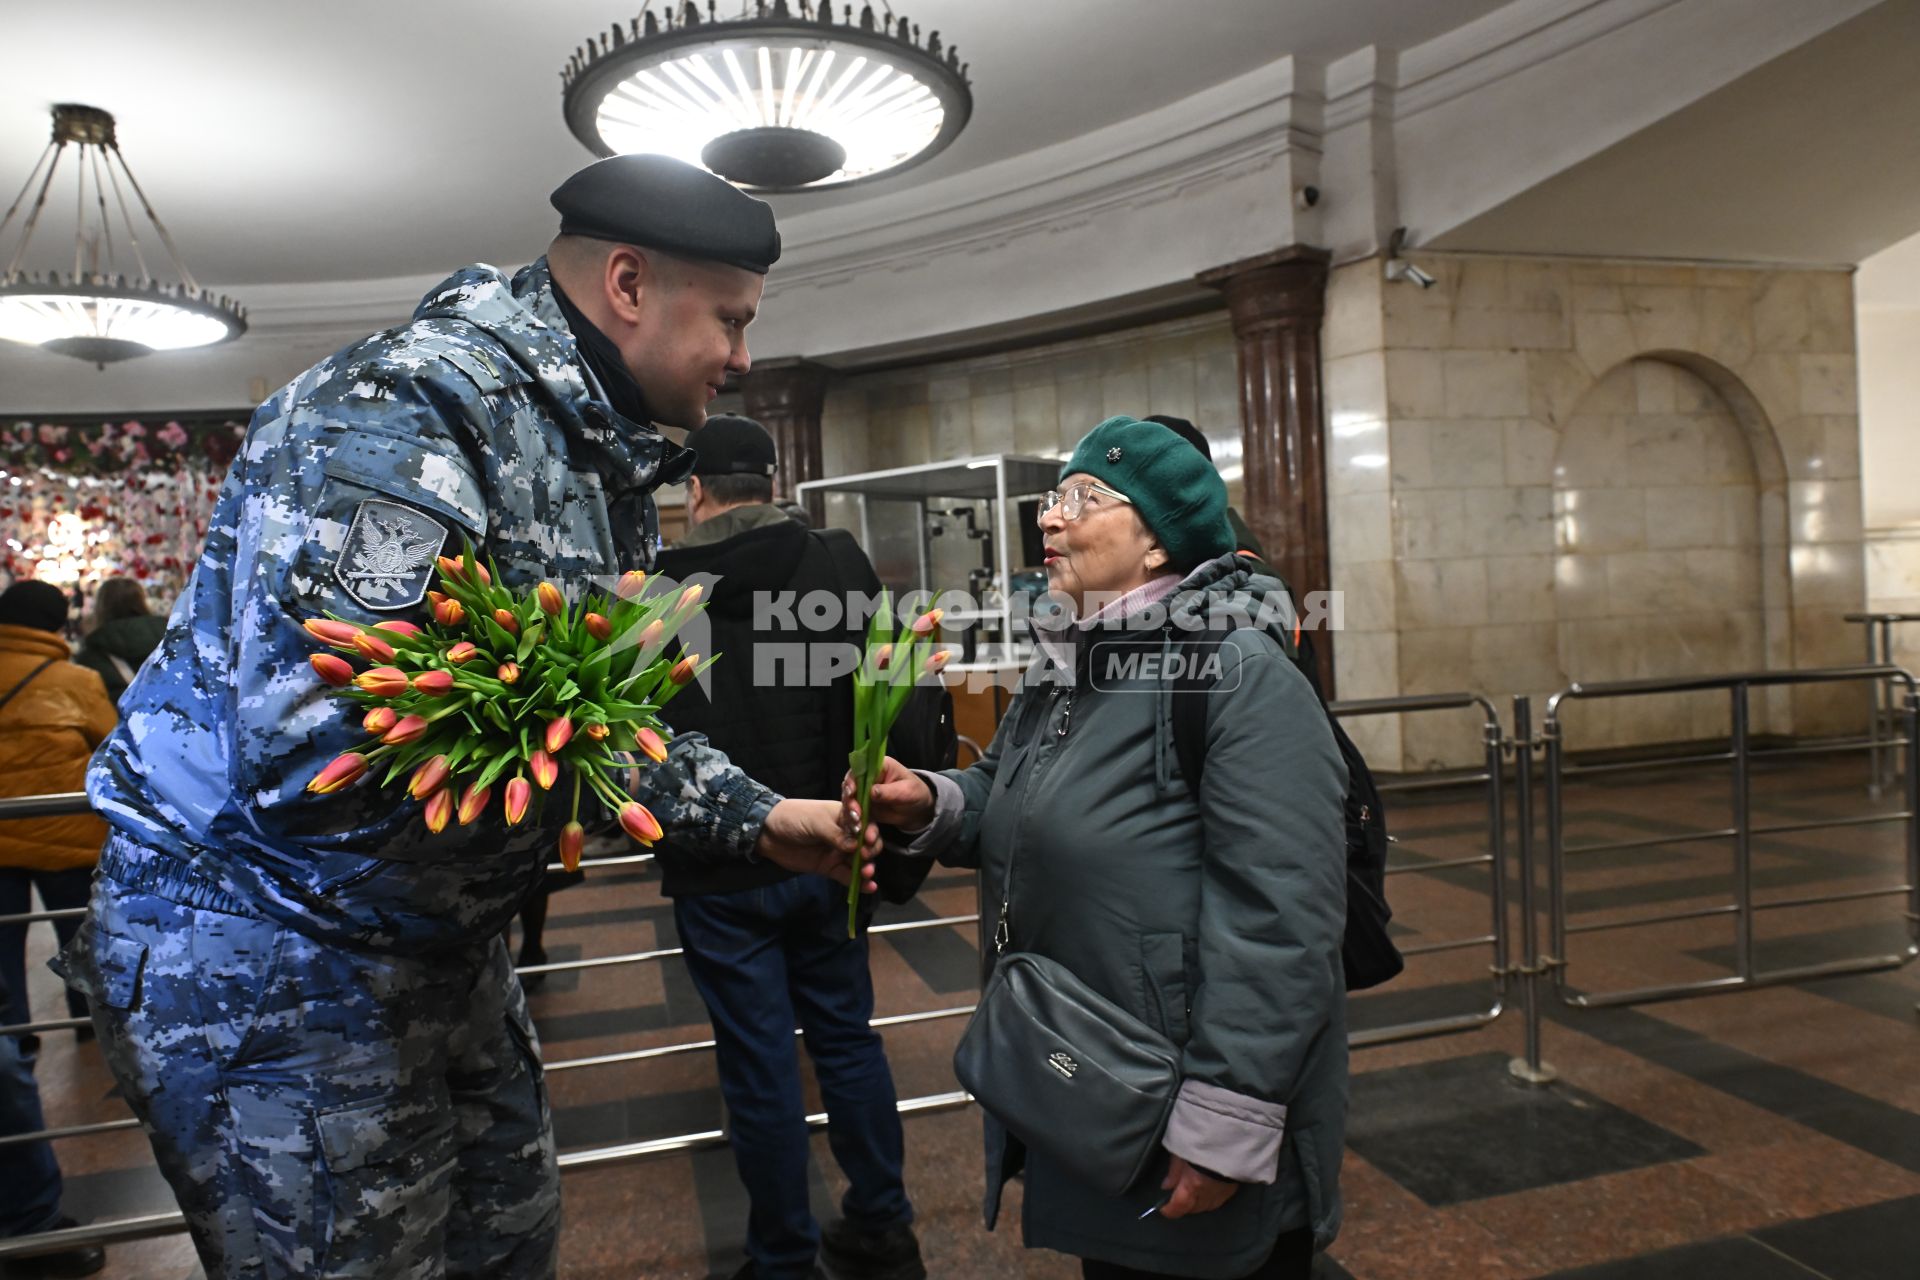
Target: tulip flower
x=559, y=734
x=384, y=682
x=598, y=627
x=651, y=746
x=683, y=669
x=598, y=732
x=435, y=684
x=573, y=838
x=332, y=668
x=379, y=720
x=638, y=823
x=449, y=613
x=551, y=601
x=473, y=802
x=508, y=623
x=691, y=596
x=461, y=652
x=507, y=672
x=409, y=729
x=456, y=569
x=338, y=634
x=398, y=627
x=926, y=622
x=372, y=647
x=882, y=657
x=435, y=597
x=652, y=634
x=428, y=779
x=439, y=810
x=341, y=772
x=544, y=770
x=631, y=584
x=519, y=796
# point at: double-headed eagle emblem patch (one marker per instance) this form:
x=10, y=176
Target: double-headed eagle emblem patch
x=387, y=559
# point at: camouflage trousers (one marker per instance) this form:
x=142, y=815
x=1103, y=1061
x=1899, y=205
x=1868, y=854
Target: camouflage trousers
x=325, y=1112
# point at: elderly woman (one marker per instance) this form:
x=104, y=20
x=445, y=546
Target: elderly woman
x=1216, y=919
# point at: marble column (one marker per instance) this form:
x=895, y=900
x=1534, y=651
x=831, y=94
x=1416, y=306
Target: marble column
x=1276, y=302
x=785, y=397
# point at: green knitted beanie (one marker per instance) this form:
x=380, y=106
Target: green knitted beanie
x=1174, y=488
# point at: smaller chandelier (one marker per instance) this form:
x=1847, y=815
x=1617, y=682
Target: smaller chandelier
x=774, y=101
x=96, y=313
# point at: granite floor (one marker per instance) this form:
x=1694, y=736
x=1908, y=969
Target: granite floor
x=1770, y=1133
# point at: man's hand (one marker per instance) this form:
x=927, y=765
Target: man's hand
x=900, y=798
x=809, y=836
x=1191, y=1191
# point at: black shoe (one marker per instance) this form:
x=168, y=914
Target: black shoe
x=889, y=1254
x=82, y=1261
x=532, y=955
x=746, y=1272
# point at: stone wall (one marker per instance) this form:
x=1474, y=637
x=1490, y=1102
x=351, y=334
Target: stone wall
x=1701, y=422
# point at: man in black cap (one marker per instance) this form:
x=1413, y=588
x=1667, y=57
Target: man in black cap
x=304, y=996
x=769, y=950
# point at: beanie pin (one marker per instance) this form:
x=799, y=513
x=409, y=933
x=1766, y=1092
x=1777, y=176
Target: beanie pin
x=1113, y=454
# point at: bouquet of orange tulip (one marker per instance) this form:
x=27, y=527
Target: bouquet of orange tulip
x=510, y=687
x=888, y=671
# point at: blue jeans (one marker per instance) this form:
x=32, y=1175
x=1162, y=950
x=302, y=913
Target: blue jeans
x=27, y=1169
x=60, y=890
x=766, y=960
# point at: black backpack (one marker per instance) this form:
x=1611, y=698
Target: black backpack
x=1367, y=952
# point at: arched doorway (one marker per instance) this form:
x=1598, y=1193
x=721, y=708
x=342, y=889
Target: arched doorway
x=1669, y=541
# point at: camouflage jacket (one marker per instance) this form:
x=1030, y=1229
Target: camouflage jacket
x=474, y=421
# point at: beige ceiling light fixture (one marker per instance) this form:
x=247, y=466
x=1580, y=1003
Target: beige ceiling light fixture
x=96, y=313
x=785, y=98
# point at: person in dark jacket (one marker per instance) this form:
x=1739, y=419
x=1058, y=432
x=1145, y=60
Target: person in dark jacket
x=124, y=632
x=768, y=949
x=1217, y=920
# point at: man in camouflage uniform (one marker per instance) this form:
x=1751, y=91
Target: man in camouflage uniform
x=305, y=997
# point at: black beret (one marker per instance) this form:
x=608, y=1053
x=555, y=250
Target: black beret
x=662, y=203
x=731, y=446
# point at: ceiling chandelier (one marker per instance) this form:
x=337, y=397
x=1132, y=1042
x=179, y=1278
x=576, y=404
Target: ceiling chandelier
x=783, y=99
x=97, y=313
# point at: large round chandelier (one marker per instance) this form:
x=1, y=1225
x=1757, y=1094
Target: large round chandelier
x=775, y=100
x=96, y=313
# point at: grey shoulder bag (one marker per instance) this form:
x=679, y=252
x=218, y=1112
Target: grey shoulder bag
x=1068, y=1072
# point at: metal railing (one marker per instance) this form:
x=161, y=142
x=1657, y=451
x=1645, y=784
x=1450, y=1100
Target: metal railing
x=1494, y=859
x=1552, y=964
x=1532, y=968
x=147, y=1226
x=1880, y=726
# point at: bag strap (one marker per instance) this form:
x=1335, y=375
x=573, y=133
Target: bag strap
x=25, y=681
x=1190, y=709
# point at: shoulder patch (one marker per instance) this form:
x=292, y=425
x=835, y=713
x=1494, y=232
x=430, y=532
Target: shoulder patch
x=386, y=561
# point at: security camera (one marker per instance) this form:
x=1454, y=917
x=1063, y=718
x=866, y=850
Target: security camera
x=1398, y=268
x=1401, y=269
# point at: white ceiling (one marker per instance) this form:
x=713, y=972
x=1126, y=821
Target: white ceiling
x=351, y=140
x=1813, y=157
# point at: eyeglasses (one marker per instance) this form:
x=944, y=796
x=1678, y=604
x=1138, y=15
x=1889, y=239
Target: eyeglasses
x=1072, y=500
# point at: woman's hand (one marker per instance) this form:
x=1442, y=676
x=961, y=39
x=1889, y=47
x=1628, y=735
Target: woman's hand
x=811, y=836
x=900, y=798
x=1191, y=1191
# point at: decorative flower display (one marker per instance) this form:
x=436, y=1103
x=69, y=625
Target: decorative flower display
x=142, y=496
x=501, y=693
